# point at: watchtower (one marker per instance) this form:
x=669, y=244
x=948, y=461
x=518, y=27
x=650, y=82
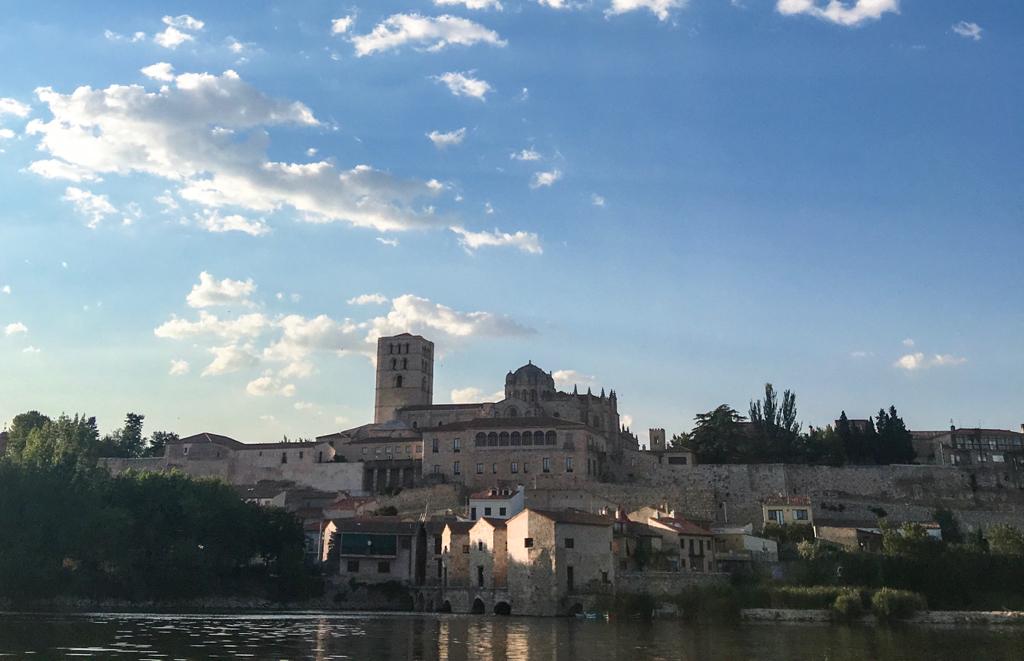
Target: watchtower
x=405, y=374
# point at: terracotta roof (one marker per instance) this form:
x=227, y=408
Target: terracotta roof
x=682, y=526
x=495, y=523
x=513, y=424
x=574, y=517
x=493, y=494
x=377, y=524
x=787, y=500
x=460, y=527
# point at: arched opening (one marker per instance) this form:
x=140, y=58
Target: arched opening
x=516, y=439
x=503, y=438
x=398, y=381
x=538, y=437
x=533, y=395
x=419, y=602
x=445, y=607
x=480, y=440
x=502, y=608
x=575, y=609
x=527, y=438
x=478, y=607
x=513, y=412
x=551, y=438
x=394, y=363
x=405, y=363
x=492, y=439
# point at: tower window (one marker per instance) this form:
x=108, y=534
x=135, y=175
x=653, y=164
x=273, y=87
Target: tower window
x=398, y=381
x=405, y=363
x=394, y=363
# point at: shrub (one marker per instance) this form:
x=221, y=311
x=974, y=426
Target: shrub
x=848, y=606
x=889, y=605
x=814, y=597
x=711, y=603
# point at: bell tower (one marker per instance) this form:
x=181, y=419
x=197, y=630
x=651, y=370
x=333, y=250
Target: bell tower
x=405, y=374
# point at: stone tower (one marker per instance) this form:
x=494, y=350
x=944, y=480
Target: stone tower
x=656, y=440
x=405, y=374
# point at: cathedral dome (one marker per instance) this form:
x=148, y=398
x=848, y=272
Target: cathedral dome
x=531, y=375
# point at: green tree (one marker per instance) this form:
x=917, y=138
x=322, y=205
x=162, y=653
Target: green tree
x=894, y=443
x=717, y=437
x=951, y=533
x=66, y=440
x=21, y=427
x=127, y=441
x=775, y=425
x=680, y=441
x=1004, y=539
x=910, y=539
x=158, y=442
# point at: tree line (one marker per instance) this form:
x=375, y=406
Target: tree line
x=771, y=433
x=69, y=528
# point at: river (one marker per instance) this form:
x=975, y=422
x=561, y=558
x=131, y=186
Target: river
x=414, y=636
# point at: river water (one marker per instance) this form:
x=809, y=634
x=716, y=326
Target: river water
x=407, y=636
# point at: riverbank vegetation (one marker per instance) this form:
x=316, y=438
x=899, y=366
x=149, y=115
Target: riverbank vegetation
x=71, y=530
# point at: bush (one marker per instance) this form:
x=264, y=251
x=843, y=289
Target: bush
x=711, y=603
x=815, y=597
x=627, y=604
x=889, y=605
x=848, y=606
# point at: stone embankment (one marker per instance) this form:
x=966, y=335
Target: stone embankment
x=947, y=618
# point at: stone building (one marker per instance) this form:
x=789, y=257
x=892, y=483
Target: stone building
x=536, y=432
x=497, y=502
x=377, y=549
x=455, y=553
x=787, y=510
x=994, y=448
x=558, y=558
x=488, y=553
x=688, y=546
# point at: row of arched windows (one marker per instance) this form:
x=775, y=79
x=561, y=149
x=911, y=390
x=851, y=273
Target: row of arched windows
x=397, y=348
x=504, y=439
x=394, y=363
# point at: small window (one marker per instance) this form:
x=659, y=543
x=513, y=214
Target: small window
x=604, y=577
x=502, y=511
x=568, y=464
x=435, y=445
x=570, y=543
x=546, y=465
x=352, y=566
x=479, y=469
x=456, y=469
x=487, y=511
x=398, y=381
x=284, y=457
x=515, y=467
x=300, y=454
x=185, y=450
x=465, y=548
x=456, y=445
x=472, y=513
x=528, y=542
x=437, y=469
x=480, y=545
x=494, y=469
x=801, y=515
x=526, y=467
x=384, y=567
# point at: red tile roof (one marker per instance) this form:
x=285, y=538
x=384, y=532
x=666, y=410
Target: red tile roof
x=574, y=517
x=804, y=501
x=683, y=527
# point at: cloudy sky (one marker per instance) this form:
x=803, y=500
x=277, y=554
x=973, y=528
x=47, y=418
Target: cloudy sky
x=211, y=210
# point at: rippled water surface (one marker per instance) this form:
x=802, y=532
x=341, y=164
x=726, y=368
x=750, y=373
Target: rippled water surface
x=376, y=636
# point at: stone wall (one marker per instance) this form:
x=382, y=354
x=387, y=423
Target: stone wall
x=665, y=583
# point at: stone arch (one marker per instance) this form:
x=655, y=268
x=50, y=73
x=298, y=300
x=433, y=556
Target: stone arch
x=516, y=439
x=513, y=412
x=445, y=607
x=527, y=438
x=503, y=438
x=479, y=607
x=550, y=438
x=492, y=439
x=480, y=440
x=398, y=381
x=502, y=608
x=538, y=437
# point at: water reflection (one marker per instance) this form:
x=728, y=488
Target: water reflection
x=324, y=636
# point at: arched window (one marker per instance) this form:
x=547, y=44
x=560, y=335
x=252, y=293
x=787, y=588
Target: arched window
x=398, y=381
x=533, y=395
x=492, y=439
x=538, y=438
x=480, y=440
x=503, y=439
x=516, y=440
x=513, y=412
x=405, y=363
x=527, y=438
x=550, y=438
x=406, y=347
x=391, y=348
x=394, y=363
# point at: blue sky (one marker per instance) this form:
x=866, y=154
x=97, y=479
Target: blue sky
x=678, y=200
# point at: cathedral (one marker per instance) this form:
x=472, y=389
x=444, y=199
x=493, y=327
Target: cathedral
x=536, y=435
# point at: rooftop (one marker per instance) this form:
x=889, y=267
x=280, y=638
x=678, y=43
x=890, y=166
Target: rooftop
x=799, y=501
x=574, y=517
x=377, y=524
x=511, y=423
x=682, y=526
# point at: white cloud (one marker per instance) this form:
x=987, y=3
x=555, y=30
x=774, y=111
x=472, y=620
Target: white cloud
x=368, y=299
x=473, y=395
x=471, y=4
x=660, y=8
x=6, y=289
x=435, y=185
x=160, y=71
x=839, y=11
x=210, y=325
x=340, y=420
x=31, y=349
x=211, y=292
x=207, y=134
x=92, y=206
x=212, y=221
x=525, y=241
x=179, y=368
x=135, y=37
x=268, y=418
x=860, y=354
x=341, y=25
x=52, y=168
x=413, y=314
x=597, y=200
x=525, y=155
x=174, y=35
x=626, y=420
x=917, y=361
x=392, y=243
x=15, y=328
x=9, y=106
x=545, y=178
x=269, y=385
x=968, y=30
x=229, y=359
x=566, y=379
x=463, y=84
x=303, y=406
x=908, y=342
x=167, y=201
x=561, y=4
x=6, y=134
x=432, y=33
x=488, y=208
x=442, y=140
